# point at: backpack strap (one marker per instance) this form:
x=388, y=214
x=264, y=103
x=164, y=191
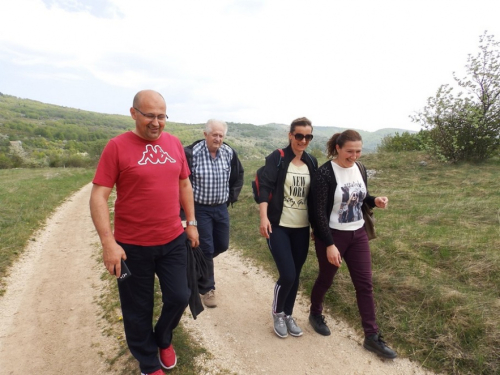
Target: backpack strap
x=282, y=155
x=312, y=160
x=363, y=172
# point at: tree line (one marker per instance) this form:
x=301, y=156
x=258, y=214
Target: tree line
x=463, y=126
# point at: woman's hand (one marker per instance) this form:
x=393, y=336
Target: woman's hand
x=381, y=202
x=333, y=255
x=265, y=227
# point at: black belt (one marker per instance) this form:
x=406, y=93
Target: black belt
x=209, y=205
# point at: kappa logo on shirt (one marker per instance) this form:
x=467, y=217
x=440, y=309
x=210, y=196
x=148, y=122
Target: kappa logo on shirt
x=155, y=155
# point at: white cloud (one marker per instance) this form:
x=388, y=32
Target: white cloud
x=364, y=64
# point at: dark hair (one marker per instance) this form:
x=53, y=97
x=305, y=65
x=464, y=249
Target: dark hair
x=301, y=121
x=340, y=139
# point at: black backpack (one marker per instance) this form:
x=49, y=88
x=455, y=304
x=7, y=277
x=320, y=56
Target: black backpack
x=258, y=174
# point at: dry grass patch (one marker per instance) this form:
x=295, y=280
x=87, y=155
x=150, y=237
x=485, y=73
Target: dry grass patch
x=436, y=264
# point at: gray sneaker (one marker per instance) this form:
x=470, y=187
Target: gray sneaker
x=293, y=328
x=279, y=324
x=209, y=299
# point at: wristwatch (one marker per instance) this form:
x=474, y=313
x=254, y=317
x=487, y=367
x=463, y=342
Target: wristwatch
x=194, y=223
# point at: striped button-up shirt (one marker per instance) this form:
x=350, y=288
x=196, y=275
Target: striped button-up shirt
x=210, y=176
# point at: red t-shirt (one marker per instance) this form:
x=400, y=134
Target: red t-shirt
x=147, y=177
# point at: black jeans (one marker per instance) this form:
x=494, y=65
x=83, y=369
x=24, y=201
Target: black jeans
x=289, y=247
x=169, y=262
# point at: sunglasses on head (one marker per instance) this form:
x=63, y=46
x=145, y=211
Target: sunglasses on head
x=300, y=137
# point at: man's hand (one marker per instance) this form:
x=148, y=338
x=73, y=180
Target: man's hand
x=192, y=235
x=112, y=254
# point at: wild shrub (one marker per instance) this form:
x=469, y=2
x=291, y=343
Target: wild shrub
x=466, y=127
x=401, y=142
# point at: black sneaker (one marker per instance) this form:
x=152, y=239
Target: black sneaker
x=375, y=344
x=319, y=324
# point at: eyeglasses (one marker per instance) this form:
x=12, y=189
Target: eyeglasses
x=151, y=117
x=300, y=137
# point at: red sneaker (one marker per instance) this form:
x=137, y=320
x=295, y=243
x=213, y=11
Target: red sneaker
x=168, y=359
x=157, y=372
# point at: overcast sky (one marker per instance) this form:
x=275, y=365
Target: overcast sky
x=366, y=64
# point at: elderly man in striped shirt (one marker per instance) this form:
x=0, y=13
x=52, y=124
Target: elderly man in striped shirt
x=217, y=179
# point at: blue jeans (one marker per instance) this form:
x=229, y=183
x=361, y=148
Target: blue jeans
x=289, y=247
x=213, y=229
x=169, y=262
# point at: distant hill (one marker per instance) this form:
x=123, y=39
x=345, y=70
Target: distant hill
x=46, y=131
x=255, y=141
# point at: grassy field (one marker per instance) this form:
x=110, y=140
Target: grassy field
x=436, y=262
x=27, y=198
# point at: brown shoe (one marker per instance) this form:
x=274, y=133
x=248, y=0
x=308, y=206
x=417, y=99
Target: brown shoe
x=209, y=299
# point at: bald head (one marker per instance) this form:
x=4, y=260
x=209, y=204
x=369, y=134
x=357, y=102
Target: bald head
x=145, y=95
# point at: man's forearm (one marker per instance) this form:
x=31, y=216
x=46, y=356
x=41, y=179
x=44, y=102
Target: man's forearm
x=99, y=212
x=100, y=217
x=187, y=199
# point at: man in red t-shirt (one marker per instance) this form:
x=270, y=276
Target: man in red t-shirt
x=151, y=175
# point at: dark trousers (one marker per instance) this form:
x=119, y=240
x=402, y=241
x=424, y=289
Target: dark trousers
x=213, y=229
x=169, y=262
x=289, y=247
x=355, y=251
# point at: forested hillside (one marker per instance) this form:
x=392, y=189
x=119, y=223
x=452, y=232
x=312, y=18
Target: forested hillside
x=35, y=134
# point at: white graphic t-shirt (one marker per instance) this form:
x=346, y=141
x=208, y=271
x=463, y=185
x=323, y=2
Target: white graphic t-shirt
x=349, y=195
x=297, y=183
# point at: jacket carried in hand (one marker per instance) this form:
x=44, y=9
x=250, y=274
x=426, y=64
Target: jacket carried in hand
x=235, y=177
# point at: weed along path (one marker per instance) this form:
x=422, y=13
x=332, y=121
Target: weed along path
x=50, y=322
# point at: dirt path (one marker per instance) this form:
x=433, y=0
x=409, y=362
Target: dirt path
x=49, y=322
x=239, y=333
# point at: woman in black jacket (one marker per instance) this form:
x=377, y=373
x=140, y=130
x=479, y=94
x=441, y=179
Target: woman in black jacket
x=284, y=219
x=339, y=189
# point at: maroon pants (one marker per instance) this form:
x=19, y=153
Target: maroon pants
x=355, y=252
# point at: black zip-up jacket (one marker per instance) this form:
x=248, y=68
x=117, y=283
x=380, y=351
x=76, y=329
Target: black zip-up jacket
x=235, y=176
x=323, y=187
x=273, y=180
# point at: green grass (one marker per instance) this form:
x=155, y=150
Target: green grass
x=27, y=198
x=436, y=265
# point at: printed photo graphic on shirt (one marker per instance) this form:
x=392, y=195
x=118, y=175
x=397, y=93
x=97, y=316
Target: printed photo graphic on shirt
x=155, y=155
x=352, y=199
x=297, y=193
